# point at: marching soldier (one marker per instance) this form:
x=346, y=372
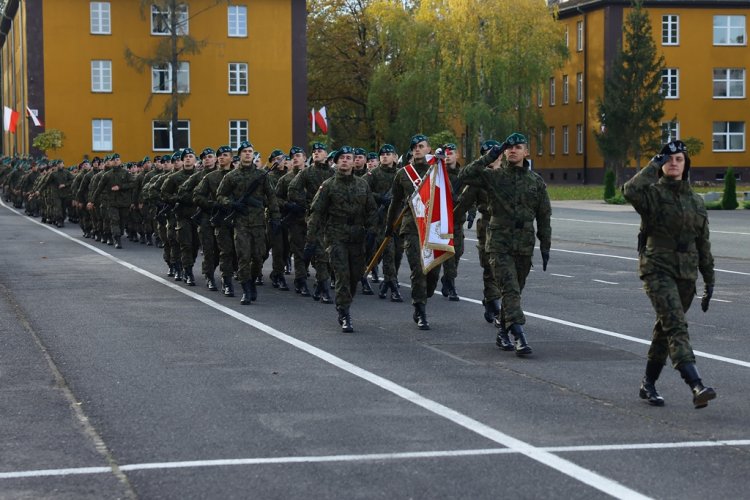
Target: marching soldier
x=279, y=240
x=117, y=183
x=186, y=234
x=450, y=266
x=294, y=222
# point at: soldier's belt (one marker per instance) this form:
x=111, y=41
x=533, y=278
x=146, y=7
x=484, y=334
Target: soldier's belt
x=670, y=244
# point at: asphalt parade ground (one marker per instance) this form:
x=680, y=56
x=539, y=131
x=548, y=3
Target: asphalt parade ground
x=118, y=382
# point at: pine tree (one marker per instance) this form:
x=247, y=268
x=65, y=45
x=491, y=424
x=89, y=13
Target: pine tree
x=729, y=200
x=609, y=185
x=633, y=105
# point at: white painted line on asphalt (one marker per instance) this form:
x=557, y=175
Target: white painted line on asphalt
x=570, y=469
x=370, y=457
x=720, y=300
x=606, y=282
x=561, y=275
x=632, y=224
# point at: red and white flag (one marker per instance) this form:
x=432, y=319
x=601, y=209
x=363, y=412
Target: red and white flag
x=31, y=113
x=319, y=120
x=10, y=119
x=432, y=207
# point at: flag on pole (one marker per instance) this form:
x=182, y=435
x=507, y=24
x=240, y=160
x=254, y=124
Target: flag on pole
x=10, y=119
x=34, y=118
x=321, y=120
x=432, y=207
x=312, y=119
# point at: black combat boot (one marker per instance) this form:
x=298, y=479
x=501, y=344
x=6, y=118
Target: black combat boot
x=253, y=291
x=366, y=289
x=282, y=284
x=491, y=309
x=247, y=292
x=211, y=282
x=452, y=294
x=274, y=281
x=503, y=339
x=346, y=320
x=701, y=395
x=110, y=241
x=170, y=273
x=118, y=243
x=158, y=242
x=519, y=340
x=300, y=286
x=325, y=292
x=142, y=239
x=288, y=266
x=149, y=240
x=226, y=286
x=189, y=278
x=648, y=385
x=178, y=276
x=316, y=291
x=259, y=280
x=375, y=277
x=420, y=317
x=383, y=290
x=395, y=293
x=445, y=289
x=96, y=236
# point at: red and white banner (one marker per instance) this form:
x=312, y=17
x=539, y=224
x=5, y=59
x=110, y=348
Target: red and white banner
x=319, y=120
x=432, y=207
x=10, y=119
x=32, y=113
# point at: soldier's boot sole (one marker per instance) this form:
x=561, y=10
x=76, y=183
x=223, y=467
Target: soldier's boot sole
x=702, y=395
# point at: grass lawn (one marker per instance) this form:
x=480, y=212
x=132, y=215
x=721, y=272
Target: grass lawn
x=594, y=192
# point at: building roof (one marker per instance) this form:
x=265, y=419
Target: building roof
x=573, y=7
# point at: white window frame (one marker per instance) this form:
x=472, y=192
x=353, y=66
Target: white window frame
x=183, y=20
x=579, y=139
x=236, y=128
x=100, y=20
x=728, y=80
x=579, y=87
x=565, y=139
x=552, y=140
x=670, y=23
x=236, y=72
x=101, y=134
x=579, y=36
x=728, y=135
x=167, y=125
x=552, y=91
x=183, y=78
x=726, y=30
x=237, y=22
x=565, y=89
x=101, y=75
x=670, y=131
x=669, y=90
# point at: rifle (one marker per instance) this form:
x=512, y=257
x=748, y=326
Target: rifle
x=196, y=217
x=161, y=215
x=247, y=198
x=379, y=253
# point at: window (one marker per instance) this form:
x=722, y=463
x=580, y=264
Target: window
x=729, y=136
x=161, y=20
x=579, y=87
x=579, y=139
x=539, y=143
x=552, y=91
x=579, y=36
x=237, y=18
x=729, y=82
x=161, y=78
x=552, y=140
x=101, y=135
x=100, y=22
x=670, y=30
x=670, y=84
x=567, y=36
x=565, y=139
x=565, y=89
x=729, y=30
x=162, y=138
x=238, y=78
x=670, y=131
x=237, y=132
x=101, y=76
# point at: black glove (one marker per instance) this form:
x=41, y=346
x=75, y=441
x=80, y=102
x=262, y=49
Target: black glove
x=495, y=152
x=275, y=226
x=308, y=253
x=545, y=259
x=708, y=292
x=660, y=159
x=470, y=219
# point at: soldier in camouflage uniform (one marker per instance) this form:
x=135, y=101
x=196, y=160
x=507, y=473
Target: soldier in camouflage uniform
x=181, y=201
x=673, y=246
x=294, y=223
x=517, y=197
x=84, y=217
x=278, y=242
x=450, y=266
x=117, y=183
x=344, y=211
x=27, y=185
x=301, y=192
x=59, y=182
x=422, y=286
x=360, y=162
x=380, y=180
x=247, y=193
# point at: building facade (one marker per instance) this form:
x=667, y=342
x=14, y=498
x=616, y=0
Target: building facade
x=704, y=44
x=65, y=60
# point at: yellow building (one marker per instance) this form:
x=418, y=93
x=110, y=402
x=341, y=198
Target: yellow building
x=704, y=44
x=65, y=60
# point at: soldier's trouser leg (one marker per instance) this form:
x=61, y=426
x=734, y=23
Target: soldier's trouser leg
x=347, y=261
x=671, y=299
x=225, y=243
x=278, y=259
x=250, y=244
x=104, y=211
x=118, y=217
x=450, y=266
x=187, y=236
x=210, y=248
x=398, y=252
x=162, y=231
x=390, y=274
x=296, y=246
x=57, y=209
x=149, y=218
x=174, y=244
x=491, y=289
x=511, y=272
x=422, y=286
x=320, y=263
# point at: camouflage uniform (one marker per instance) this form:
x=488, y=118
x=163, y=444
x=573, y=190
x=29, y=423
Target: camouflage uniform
x=119, y=201
x=205, y=197
x=450, y=266
x=294, y=222
x=380, y=180
x=278, y=242
x=185, y=234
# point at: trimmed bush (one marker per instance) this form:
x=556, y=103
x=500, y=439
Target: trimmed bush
x=729, y=200
x=609, y=185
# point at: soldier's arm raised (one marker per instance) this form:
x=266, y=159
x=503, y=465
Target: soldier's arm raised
x=636, y=189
